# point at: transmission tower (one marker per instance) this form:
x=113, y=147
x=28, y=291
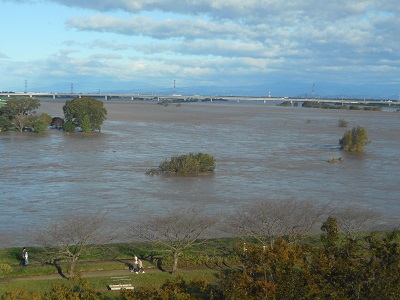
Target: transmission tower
x=72, y=88
x=313, y=90
x=26, y=86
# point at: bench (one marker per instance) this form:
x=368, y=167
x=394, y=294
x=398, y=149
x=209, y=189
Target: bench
x=120, y=282
x=116, y=287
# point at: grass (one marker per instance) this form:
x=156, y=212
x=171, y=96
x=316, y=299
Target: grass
x=215, y=252
x=41, y=286
x=114, y=257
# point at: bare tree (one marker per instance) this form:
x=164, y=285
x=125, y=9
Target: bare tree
x=68, y=236
x=176, y=230
x=269, y=219
x=20, y=121
x=355, y=219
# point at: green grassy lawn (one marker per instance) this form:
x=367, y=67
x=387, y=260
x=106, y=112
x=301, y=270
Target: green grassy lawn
x=41, y=286
x=204, y=261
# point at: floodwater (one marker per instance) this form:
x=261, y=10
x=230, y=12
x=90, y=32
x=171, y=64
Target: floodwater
x=262, y=152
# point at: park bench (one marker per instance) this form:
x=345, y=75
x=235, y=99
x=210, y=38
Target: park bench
x=120, y=282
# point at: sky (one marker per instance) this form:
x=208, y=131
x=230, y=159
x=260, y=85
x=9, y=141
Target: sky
x=295, y=48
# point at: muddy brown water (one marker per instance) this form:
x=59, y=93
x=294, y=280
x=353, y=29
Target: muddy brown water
x=262, y=152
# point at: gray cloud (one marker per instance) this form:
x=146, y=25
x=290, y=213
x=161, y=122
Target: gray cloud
x=307, y=39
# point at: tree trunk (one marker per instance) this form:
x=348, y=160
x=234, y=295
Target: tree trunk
x=72, y=267
x=175, y=263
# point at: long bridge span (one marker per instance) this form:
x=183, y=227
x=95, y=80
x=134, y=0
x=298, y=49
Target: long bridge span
x=160, y=97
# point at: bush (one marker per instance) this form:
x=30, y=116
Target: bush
x=5, y=269
x=285, y=103
x=342, y=123
x=354, y=140
x=189, y=164
x=69, y=126
x=38, y=125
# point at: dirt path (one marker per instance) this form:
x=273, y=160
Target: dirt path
x=105, y=273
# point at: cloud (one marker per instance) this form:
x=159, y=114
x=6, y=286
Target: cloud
x=224, y=40
x=3, y=56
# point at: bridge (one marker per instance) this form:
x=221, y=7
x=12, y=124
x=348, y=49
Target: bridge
x=159, y=97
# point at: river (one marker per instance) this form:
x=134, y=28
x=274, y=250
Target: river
x=262, y=151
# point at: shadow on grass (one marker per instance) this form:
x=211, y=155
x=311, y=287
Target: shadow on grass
x=127, y=264
x=58, y=267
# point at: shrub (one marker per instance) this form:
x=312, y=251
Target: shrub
x=285, y=103
x=342, y=123
x=189, y=164
x=38, y=125
x=354, y=140
x=69, y=126
x=5, y=269
x=57, y=122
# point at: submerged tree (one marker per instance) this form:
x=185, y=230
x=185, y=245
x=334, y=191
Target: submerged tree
x=16, y=106
x=189, y=164
x=75, y=111
x=354, y=140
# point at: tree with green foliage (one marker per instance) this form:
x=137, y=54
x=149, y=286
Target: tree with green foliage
x=75, y=111
x=189, y=164
x=5, y=123
x=37, y=125
x=15, y=106
x=354, y=140
x=46, y=118
x=382, y=271
x=69, y=126
x=331, y=235
x=86, y=126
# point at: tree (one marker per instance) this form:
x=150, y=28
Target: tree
x=57, y=122
x=5, y=123
x=270, y=219
x=354, y=140
x=331, y=237
x=272, y=273
x=189, y=164
x=16, y=106
x=75, y=110
x=70, y=235
x=20, y=121
x=86, y=126
x=355, y=219
x=342, y=123
x=37, y=125
x=69, y=126
x=46, y=118
x=176, y=230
